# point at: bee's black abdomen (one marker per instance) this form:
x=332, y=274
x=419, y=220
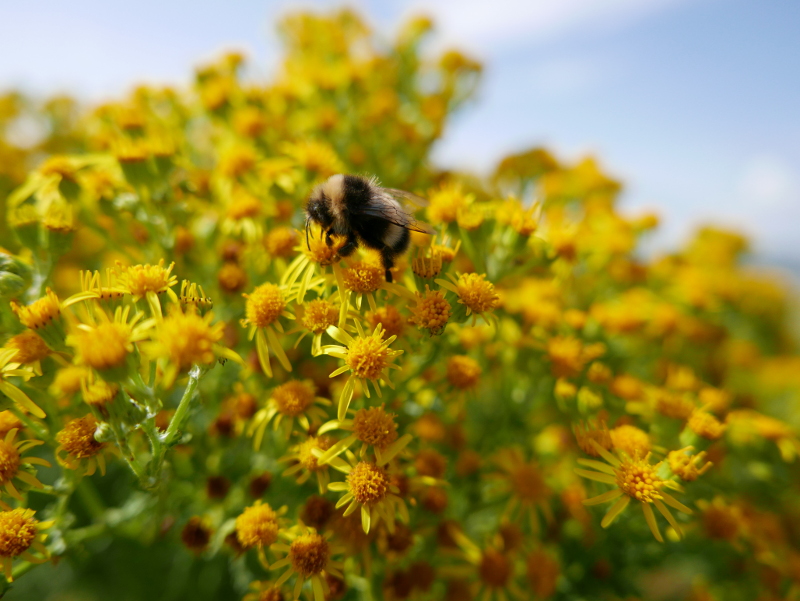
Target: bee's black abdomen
x=357, y=192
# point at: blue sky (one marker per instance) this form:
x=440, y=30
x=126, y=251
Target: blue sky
x=695, y=104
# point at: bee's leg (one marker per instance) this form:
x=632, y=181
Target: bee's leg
x=328, y=239
x=349, y=246
x=387, y=255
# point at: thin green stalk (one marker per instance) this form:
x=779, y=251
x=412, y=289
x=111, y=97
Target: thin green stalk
x=160, y=443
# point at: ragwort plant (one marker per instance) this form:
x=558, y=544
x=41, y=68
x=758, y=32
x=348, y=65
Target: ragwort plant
x=201, y=402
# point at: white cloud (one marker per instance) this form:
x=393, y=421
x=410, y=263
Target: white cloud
x=768, y=182
x=497, y=24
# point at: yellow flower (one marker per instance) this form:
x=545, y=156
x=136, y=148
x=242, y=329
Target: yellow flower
x=389, y=318
x=196, y=534
x=44, y=316
x=634, y=479
x=315, y=317
x=463, y=372
x=491, y=569
x=567, y=356
x=444, y=203
x=187, y=339
x=368, y=358
x=314, y=253
x=292, y=400
x=368, y=486
x=632, y=441
x=11, y=462
x=19, y=532
x=524, y=482
x=431, y=311
x=9, y=368
x=373, y=427
x=148, y=281
x=76, y=440
x=264, y=306
x=309, y=555
x=257, y=527
x=92, y=287
x=706, y=425
x=475, y=293
x=364, y=278
x=107, y=345
x=280, y=241
x=306, y=462
x=685, y=466
x=264, y=591
x=31, y=349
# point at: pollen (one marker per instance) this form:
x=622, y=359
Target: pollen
x=431, y=312
x=309, y=554
x=294, y=397
x=368, y=357
x=363, y=277
x=189, y=338
x=389, y=317
x=30, y=347
x=105, y=346
x=77, y=438
x=494, y=569
x=638, y=479
x=631, y=440
x=257, y=526
x=374, y=426
x=368, y=483
x=40, y=313
x=264, y=305
x=9, y=461
x=280, y=241
x=477, y=293
x=319, y=252
x=463, y=372
x=17, y=531
x=138, y=280
x=319, y=315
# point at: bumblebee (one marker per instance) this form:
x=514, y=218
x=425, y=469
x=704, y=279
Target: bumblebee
x=363, y=212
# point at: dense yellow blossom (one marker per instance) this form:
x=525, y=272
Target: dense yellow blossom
x=234, y=418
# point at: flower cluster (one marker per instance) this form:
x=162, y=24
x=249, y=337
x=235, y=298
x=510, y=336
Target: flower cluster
x=184, y=363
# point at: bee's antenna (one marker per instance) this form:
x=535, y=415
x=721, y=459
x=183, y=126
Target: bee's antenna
x=308, y=244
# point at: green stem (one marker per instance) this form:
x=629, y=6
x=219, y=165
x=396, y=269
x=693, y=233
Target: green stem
x=172, y=436
x=80, y=535
x=91, y=499
x=127, y=453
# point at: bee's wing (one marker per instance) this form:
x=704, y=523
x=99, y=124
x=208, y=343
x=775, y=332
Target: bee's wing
x=390, y=210
x=417, y=201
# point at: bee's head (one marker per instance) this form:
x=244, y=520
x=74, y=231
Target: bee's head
x=318, y=210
